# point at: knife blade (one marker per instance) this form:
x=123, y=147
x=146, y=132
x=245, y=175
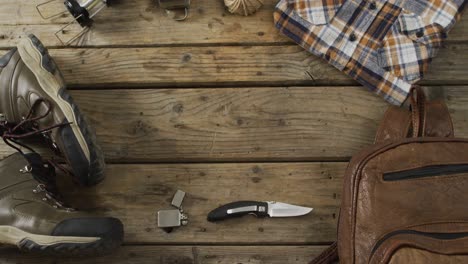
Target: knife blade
x=259, y=209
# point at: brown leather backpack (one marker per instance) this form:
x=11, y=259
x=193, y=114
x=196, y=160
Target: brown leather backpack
x=405, y=199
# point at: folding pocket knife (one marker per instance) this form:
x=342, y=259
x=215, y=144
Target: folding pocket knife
x=259, y=209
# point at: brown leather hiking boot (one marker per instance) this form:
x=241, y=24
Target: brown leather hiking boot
x=33, y=218
x=34, y=101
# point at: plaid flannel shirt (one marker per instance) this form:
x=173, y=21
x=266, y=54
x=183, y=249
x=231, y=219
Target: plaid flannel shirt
x=386, y=45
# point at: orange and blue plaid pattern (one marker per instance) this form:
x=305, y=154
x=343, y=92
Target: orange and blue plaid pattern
x=386, y=45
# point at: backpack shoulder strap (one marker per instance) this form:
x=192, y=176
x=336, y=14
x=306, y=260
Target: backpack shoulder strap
x=396, y=124
x=436, y=120
x=426, y=119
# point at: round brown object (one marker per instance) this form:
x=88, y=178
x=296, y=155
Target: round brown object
x=243, y=7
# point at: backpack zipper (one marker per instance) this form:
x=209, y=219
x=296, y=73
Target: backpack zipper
x=424, y=172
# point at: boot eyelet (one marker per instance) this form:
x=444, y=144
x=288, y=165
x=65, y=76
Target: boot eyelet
x=3, y=119
x=40, y=188
x=26, y=169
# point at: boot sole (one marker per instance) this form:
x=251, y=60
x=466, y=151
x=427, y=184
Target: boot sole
x=38, y=60
x=56, y=244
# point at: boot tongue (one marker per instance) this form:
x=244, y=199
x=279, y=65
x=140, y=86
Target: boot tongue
x=42, y=172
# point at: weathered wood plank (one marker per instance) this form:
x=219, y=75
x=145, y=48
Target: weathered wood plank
x=230, y=124
x=144, y=23
x=135, y=193
x=141, y=22
x=224, y=66
x=181, y=255
x=240, y=124
x=198, y=66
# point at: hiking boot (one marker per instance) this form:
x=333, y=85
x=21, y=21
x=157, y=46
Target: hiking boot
x=33, y=218
x=34, y=101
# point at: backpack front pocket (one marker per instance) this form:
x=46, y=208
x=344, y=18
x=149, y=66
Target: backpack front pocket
x=411, y=246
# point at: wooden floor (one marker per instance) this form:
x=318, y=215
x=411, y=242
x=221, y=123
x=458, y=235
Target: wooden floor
x=224, y=108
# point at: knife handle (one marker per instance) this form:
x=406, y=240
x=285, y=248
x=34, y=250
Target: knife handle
x=238, y=209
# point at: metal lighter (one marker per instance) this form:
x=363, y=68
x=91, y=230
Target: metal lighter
x=168, y=219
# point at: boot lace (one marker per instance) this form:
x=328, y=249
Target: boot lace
x=11, y=134
x=28, y=127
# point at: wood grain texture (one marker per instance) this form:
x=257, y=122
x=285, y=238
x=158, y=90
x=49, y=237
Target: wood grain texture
x=119, y=73
x=142, y=22
x=240, y=124
x=195, y=66
x=181, y=255
x=135, y=193
x=224, y=67
x=231, y=124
